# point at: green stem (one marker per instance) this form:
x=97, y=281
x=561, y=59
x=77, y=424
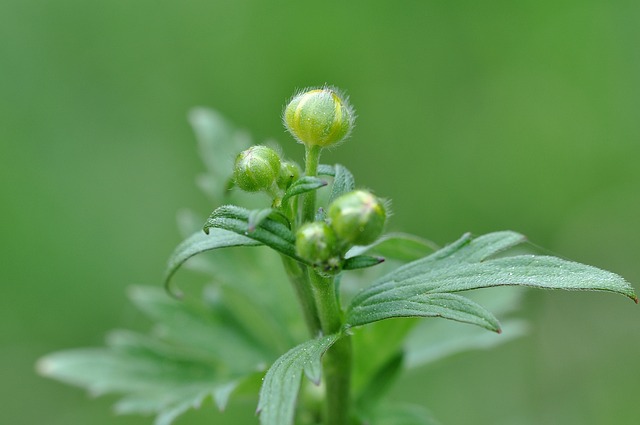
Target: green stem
x=300, y=281
x=337, y=360
x=311, y=159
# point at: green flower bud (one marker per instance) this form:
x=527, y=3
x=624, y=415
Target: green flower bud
x=256, y=169
x=319, y=117
x=289, y=172
x=357, y=217
x=316, y=242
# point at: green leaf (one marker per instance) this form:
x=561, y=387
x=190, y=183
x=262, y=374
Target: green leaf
x=198, y=351
x=447, y=306
x=343, y=182
x=397, y=246
x=200, y=242
x=206, y=332
x=269, y=232
x=326, y=170
x=256, y=217
x=156, y=378
x=303, y=185
x=418, y=288
x=282, y=382
x=432, y=340
x=361, y=262
x=218, y=143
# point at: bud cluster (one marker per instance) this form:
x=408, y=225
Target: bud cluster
x=355, y=218
x=260, y=169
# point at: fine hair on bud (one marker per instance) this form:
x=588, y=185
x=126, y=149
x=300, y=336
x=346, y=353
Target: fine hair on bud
x=357, y=217
x=256, y=169
x=319, y=116
x=316, y=242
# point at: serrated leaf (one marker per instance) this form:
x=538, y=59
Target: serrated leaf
x=343, y=182
x=303, y=185
x=282, y=382
x=155, y=378
x=270, y=232
x=205, y=332
x=200, y=242
x=361, y=262
x=417, y=288
x=397, y=246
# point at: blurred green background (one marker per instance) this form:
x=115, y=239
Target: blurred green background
x=474, y=116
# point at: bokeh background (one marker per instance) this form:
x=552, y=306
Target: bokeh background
x=474, y=116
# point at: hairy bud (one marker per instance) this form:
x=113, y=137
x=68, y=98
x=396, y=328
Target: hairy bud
x=357, y=217
x=319, y=117
x=256, y=168
x=316, y=242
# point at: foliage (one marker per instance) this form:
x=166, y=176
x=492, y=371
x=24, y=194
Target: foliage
x=222, y=343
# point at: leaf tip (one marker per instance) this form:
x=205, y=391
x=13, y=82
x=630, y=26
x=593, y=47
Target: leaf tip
x=635, y=298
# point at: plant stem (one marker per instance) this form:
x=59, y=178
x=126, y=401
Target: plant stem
x=337, y=360
x=311, y=160
x=300, y=282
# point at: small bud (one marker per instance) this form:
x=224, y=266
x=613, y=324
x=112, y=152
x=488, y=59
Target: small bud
x=256, y=168
x=357, y=217
x=319, y=117
x=289, y=172
x=316, y=242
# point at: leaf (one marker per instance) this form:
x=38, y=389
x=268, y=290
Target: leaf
x=269, y=232
x=156, y=378
x=303, y=185
x=218, y=143
x=433, y=340
x=361, y=262
x=256, y=217
x=429, y=344
x=206, y=332
x=326, y=170
x=200, y=242
x=419, y=288
x=343, y=182
x=282, y=382
x=198, y=351
x=447, y=306
x=397, y=246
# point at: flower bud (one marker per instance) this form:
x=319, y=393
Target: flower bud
x=316, y=242
x=319, y=117
x=289, y=172
x=357, y=217
x=256, y=168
